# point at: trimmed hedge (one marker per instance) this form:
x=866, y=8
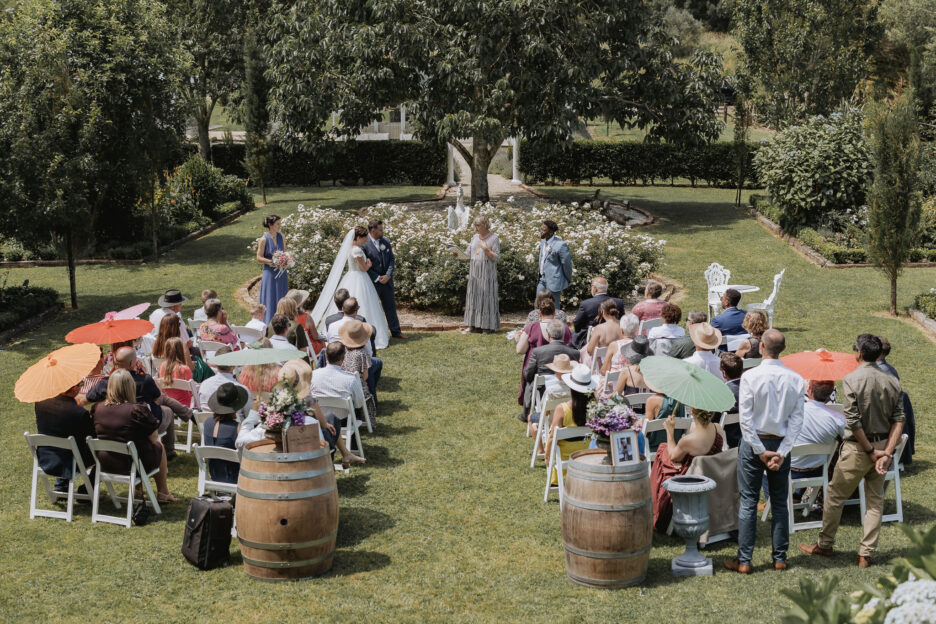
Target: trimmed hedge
x=926, y=303
x=374, y=162
x=20, y=303
x=629, y=162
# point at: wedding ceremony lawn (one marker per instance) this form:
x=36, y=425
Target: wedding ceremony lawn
x=446, y=521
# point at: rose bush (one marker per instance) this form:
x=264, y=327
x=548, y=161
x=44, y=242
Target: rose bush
x=427, y=276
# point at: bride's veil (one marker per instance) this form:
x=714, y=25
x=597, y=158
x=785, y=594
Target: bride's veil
x=327, y=295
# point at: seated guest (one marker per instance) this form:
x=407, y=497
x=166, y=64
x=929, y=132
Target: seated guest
x=614, y=361
x=332, y=381
x=661, y=337
x=630, y=381
x=910, y=422
x=279, y=327
x=651, y=306
x=91, y=380
x=170, y=304
x=122, y=419
x=674, y=458
x=304, y=319
x=260, y=377
x=341, y=295
x=216, y=328
x=221, y=428
x=257, y=314
x=706, y=339
x=755, y=323
x=588, y=312
x=171, y=327
x=174, y=367
x=683, y=347
x=821, y=425
x=607, y=330
x=296, y=337
x=535, y=335
x=200, y=314
x=61, y=417
x=658, y=407
x=534, y=315
x=355, y=336
x=730, y=321
x=541, y=356
x=223, y=375
x=108, y=366
x=731, y=368
x=572, y=413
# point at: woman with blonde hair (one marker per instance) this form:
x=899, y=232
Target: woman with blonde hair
x=121, y=419
x=755, y=323
x=260, y=377
x=174, y=367
x=295, y=335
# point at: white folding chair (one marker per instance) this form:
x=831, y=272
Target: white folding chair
x=751, y=362
x=588, y=333
x=598, y=358
x=716, y=276
x=193, y=326
x=639, y=399
x=539, y=383
x=814, y=482
x=767, y=305
x=246, y=334
x=208, y=347
x=202, y=455
x=647, y=325
x=200, y=418
x=35, y=440
x=182, y=429
x=546, y=405
x=728, y=419
x=353, y=426
x=136, y=476
x=609, y=383
x=893, y=474
x=651, y=426
x=367, y=418
x=556, y=461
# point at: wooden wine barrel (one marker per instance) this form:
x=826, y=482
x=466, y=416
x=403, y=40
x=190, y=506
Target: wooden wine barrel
x=607, y=521
x=287, y=512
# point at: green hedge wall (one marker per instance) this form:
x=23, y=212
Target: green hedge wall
x=19, y=303
x=376, y=162
x=631, y=162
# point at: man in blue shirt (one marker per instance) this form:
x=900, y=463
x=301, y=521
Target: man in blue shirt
x=729, y=321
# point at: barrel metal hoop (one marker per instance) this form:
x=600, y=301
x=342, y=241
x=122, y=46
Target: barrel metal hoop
x=284, y=457
x=289, y=564
x=584, y=580
x=287, y=545
x=591, y=476
x=602, y=468
x=287, y=476
x=285, y=495
x=606, y=555
x=568, y=500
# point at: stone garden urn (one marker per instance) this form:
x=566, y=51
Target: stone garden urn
x=690, y=519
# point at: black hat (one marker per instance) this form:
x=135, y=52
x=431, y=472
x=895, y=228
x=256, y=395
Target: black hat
x=636, y=350
x=227, y=399
x=171, y=297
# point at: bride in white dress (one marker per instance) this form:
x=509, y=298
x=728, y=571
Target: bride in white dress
x=358, y=284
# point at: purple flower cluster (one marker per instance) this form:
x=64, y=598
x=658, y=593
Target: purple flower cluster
x=298, y=418
x=612, y=414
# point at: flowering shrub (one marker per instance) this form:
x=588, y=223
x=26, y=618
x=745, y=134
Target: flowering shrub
x=428, y=276
x=611, y=414
x=283, y=409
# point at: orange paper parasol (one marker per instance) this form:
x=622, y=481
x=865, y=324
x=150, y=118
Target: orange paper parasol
x=110, y=331
x=821, y=365
x=56, y=372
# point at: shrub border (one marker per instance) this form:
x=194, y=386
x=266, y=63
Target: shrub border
x=30, y=323
x=925, y=323
x=811, y=254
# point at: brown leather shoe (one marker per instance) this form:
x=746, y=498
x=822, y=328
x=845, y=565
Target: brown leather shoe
x=400, y=336
x=815, y=549
x=740, y=568
x=780, y=565
x=864, y=562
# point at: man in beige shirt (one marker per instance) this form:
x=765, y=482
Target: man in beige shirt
x=874, y=421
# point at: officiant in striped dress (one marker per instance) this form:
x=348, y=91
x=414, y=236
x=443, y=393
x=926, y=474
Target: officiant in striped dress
x=482, y=305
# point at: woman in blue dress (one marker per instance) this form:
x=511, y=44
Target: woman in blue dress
x=272, y=288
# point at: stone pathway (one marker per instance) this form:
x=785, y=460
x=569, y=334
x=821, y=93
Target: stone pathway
x=499, y=187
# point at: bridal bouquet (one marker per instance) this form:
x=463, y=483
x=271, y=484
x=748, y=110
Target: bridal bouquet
x=611, y=414
x=283, y=409
x=282, y=260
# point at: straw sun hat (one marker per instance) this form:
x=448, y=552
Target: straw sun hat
x=355, y=334
x=705, y=336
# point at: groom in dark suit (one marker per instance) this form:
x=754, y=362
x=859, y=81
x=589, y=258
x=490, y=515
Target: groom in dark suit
x=378, y=250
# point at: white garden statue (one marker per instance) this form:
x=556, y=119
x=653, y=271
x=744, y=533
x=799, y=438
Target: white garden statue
x=458, y=215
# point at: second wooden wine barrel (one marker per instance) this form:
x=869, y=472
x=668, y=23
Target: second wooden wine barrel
x=607, y=521
x=287, y=512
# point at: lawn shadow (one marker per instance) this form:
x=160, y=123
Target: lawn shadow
x=354, y=561
x=388, y=408
x=355, y=524
x=683, y=217
x=388, y=430
x=379, y=457
x=354, y=485
x=389, y=384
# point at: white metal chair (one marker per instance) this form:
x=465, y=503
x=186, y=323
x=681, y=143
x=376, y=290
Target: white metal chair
x=367, y=417
x=647, y=325
x=556, y=461
x=814, y=482
x=598, y=359
x=208, y=347
x=539, y=383
x=715, y=276
x=893, y=474
x=193, y=326
x=35, y=440
x=136, y=476
x=609, y=383
x=202, y=455
x=767, y=305
x=751, y=362
x=639, y=399
x=353, y=427
x=200, y=418
x=545, y=407
x=727, y=419
x=651, y=426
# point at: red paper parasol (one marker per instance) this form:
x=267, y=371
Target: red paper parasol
x=821, y=365
x=109, y=332
x=129, y=313
x=56, y=372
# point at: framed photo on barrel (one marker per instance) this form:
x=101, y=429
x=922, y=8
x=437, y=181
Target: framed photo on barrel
x=624, y=449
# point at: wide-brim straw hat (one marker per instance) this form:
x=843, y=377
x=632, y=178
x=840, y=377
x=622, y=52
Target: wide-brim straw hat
x=227, y=399
x=705, y=336
x=299, y=374
x=355, y=334
x=561, y=364
x=171, y=297
x=299, y=295
x=636, y=350
x=580, y=379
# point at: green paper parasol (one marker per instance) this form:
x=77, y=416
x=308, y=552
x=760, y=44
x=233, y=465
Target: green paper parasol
x=247, y=357
x=687, y=383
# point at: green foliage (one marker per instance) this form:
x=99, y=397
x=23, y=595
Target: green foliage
x=256, y=116
x=682, y=28
x=632, y=162
x=195, y=192
x=911, y=24
x=817, y=603
x=20, y=303
x=818, y=167
x=805, y=56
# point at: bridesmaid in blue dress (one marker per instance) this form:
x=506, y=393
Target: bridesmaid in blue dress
x=272, y=288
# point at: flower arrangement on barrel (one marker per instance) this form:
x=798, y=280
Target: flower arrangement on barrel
x=608, y=415
x=284, y=409
x=427, y=276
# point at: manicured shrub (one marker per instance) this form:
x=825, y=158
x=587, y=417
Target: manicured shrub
x=20, y=303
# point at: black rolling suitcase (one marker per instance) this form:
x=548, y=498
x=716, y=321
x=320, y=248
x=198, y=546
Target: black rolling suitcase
x=207, y=541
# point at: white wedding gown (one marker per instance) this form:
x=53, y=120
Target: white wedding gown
x=360, y=286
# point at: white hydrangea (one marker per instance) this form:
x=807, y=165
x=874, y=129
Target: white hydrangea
x=923, y=591
x=912, y=613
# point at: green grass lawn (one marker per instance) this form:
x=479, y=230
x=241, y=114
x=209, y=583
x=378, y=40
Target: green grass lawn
x=446, y=522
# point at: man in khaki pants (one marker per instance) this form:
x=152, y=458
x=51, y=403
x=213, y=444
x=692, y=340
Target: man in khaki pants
x=874, y=423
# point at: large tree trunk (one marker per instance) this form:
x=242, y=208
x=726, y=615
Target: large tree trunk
x=263, y=190
x=893, y=295
x=70, y=253
x=154, y=217
x=202, y=122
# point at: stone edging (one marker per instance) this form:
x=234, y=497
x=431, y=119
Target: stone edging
x=211, y=227
x=811, y=254
x=30, y=323
x=926, y=324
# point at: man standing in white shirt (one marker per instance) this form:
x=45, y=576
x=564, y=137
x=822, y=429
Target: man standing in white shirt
x=706, y=339
x=770, y=403
x=224, y=374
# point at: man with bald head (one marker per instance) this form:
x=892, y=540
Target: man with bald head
x=587, y=315
x=770, y=404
